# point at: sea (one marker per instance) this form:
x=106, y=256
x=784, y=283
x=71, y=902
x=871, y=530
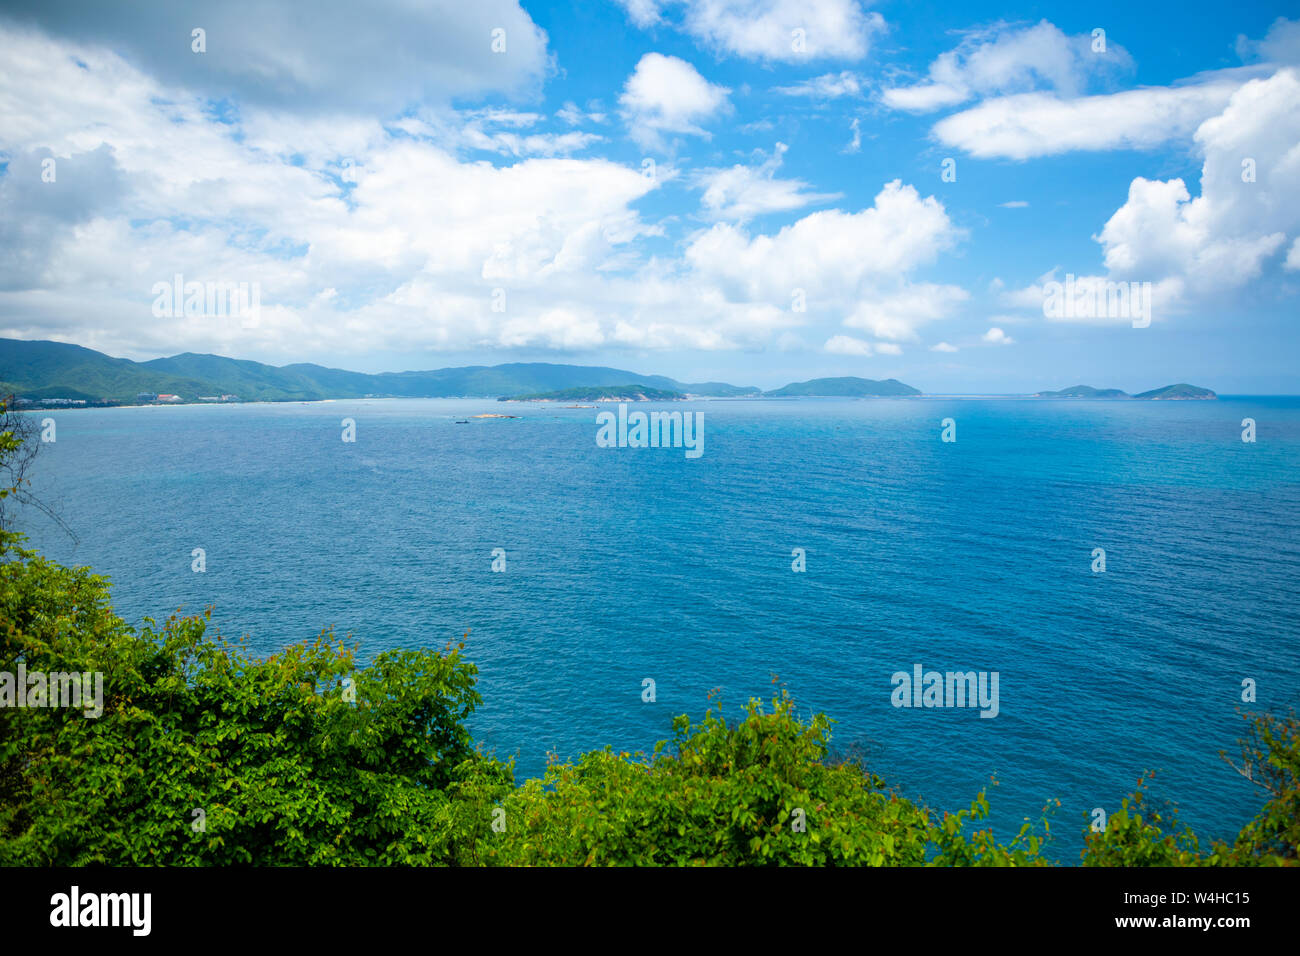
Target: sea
x=818, y=546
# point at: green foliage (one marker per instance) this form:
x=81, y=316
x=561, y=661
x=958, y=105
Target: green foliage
x=288, y=770
x=1270, y=758
x=1138, y=834
x=283, y=768
x=760, y=792
x=955, y=844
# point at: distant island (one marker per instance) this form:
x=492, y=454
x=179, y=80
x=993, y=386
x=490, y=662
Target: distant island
x=42, y=374
x=1180, y=392
x=847, y=387
x=602, y=393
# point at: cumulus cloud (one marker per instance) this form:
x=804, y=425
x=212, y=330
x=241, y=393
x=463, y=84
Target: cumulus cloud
x=39, y=216
x=995, y=336
x=897, y=315
x=411, y=239
x=1293, y=257
x=1010, y=59
x=644, y=13
x=856, y=266
x=848, y=345
x=742, y=192
x=789, y=31
x=1032, y=84
x=832, y=254
x=372, y=235
x=1280, y=45
x=269, y=53
x=1028, y=125
x=665, y=95
x=1249, y=198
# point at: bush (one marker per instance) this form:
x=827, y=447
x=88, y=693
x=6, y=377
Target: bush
x=305, y=758
x=760, y=792
x=282, y=769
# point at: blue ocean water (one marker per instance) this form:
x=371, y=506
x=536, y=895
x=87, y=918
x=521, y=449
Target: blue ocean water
x=623, y=564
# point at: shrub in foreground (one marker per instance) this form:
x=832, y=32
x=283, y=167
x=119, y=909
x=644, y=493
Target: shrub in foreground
x=206, y=754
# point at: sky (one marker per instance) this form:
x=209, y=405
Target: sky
x=751, y=191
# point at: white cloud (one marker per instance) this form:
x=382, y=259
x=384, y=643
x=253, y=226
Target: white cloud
x=943, y=347
x=829, y=86
x=644, y=13
x=765, y=29
x=847, y=345
x=898, y=314
x=838, y=264
x=269, y=53
x=996, y=336
x=537, y=144
x=666, y=95
x=831, y=254
x=742, y=192
x=1014, y=204
x=1221, y=238
x=1027, y=125
x=392, y=237
x=494, y=131
x=552, y=328
x=573, y=116
x=1280, y=45
x=411, y=239
x=1009, y=59
x=570, y=113
x=1035, y=109
x=924, y=98
x=1293, y=256
x=855, y=143
x=1092, y=298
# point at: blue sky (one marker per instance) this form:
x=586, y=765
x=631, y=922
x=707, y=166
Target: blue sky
x=739, y=190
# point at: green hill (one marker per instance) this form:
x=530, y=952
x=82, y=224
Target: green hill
x=40, y=370
x=251, y=381
x=59, y=370
x=847, y=387
x=1168, y=392
x=1181, y=391
x=1085, y=391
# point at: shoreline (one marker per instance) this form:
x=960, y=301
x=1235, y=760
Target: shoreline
x=973, y=397
x=965, y=397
